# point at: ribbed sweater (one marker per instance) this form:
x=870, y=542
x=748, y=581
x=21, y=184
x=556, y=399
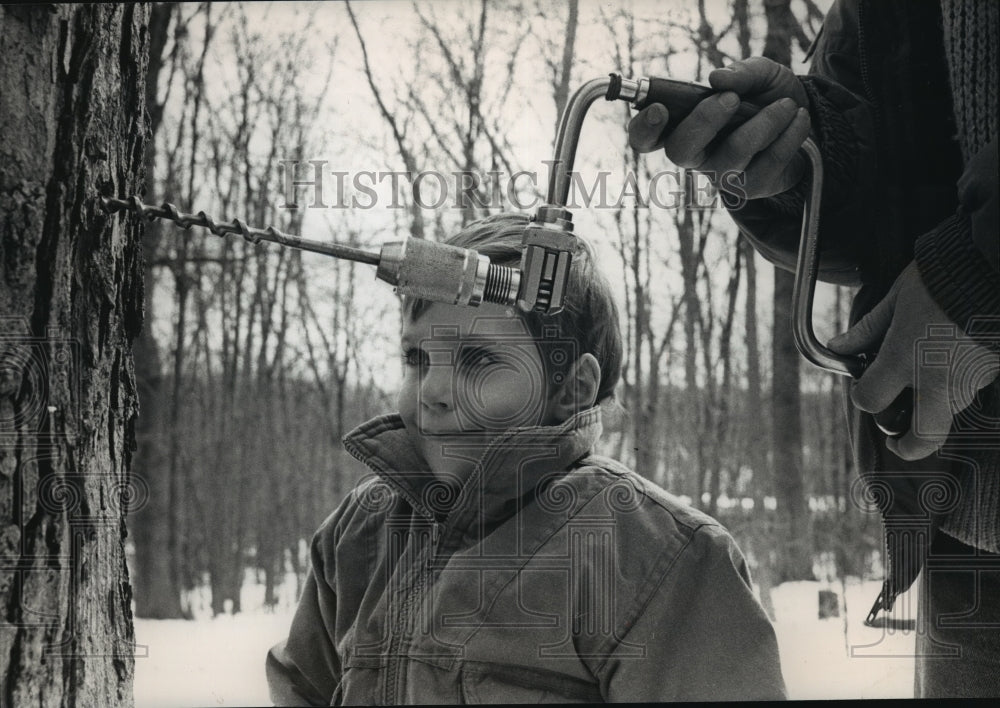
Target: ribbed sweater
x=971, y=30
x=960, y=267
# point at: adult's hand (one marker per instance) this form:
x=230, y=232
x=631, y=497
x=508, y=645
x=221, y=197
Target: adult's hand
x=765, y=147
x=942, y=389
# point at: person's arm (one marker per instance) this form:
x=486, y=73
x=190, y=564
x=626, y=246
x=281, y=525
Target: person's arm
x=953, y=286
x=704, y=634
x=305, y=669
x=843, y=128
x=959, y=260
x=765, y=149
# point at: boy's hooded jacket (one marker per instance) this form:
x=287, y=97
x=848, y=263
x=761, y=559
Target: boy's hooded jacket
x=550, y=576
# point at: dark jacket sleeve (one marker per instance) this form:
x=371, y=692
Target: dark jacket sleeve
x=959, y=261
x=703, y=633
x=305, y=669
x=843, y=128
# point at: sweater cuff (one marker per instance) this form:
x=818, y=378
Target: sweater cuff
x=960, y=280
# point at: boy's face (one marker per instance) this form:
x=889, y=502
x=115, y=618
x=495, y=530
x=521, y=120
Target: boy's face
x=469, y=373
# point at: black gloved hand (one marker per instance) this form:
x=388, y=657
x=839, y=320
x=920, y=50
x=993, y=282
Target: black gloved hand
x=765, y=148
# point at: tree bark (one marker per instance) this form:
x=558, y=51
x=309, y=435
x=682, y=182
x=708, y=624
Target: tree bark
x=72, y=127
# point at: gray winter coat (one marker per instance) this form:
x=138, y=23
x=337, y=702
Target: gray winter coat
x=551, y=576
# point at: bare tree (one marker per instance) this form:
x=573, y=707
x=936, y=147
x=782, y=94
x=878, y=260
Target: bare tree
x=73, y=92
x=157, y=581
x=755, y=429
x=758, y=538
x=454, y=120
x=398, y=128
x=646, y=345
x=786, y=406
x=560, y=63
x=233, y=301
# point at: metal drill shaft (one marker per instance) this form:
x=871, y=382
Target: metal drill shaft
x=549, y=243
x=237, y=226
x=568, y=137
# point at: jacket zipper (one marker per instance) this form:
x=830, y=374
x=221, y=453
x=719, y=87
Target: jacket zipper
x=863, y=60
x=886, y=598
x=390, y=687
x=392, y=690
x=866, y=83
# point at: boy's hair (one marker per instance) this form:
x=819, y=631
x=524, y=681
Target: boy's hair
x=589, y=317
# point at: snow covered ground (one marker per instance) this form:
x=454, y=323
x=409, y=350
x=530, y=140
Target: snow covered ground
x=819, y=662
x=220, y=661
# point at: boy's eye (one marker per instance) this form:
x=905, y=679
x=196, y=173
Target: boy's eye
x=478, y=357
x=414, y=357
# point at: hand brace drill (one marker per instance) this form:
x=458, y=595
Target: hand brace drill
x=442, y=273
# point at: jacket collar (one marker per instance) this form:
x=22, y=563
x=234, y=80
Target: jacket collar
x=509, y=467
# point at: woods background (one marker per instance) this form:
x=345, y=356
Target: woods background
x=255, y=361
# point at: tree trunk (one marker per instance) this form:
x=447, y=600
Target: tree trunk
x=71, y=293
x=760, y=533
x=692, y=398
x=786, y=407
x=561, y=85
x=271, y=573
x=786, y=398
x=158, y=585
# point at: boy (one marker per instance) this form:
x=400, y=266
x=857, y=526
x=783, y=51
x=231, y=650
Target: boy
x=492, y=558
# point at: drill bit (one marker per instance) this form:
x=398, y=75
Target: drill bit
x=415, y=267
x=237, y=226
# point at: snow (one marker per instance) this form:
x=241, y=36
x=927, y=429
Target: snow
x=817, y=660
x=209, y=662
x=220, y=661
x=212, y=661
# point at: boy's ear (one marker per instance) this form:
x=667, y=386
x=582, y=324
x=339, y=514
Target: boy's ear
x=578, y=392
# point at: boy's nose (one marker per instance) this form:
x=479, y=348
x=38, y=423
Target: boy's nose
x=436, y=388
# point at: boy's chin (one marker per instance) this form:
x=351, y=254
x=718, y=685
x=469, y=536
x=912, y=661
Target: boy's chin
x=447, y=468
x=458, y=435
x=433, y=442
x=456, y=463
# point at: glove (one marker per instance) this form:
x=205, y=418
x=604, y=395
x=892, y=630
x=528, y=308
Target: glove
x=765, y=147
x=893, y=328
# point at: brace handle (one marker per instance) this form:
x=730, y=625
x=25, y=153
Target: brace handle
x=680, y=98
